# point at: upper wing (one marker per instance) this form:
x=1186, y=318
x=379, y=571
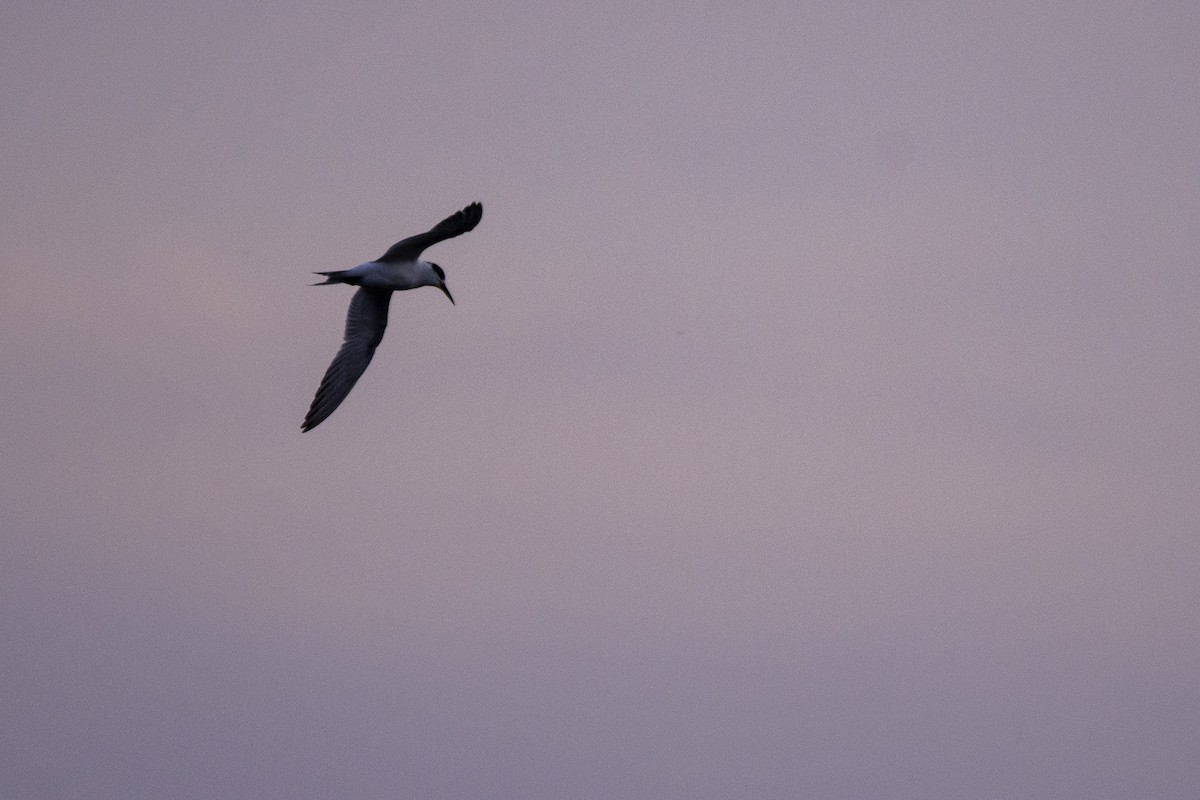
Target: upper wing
x=365, y=324
x=454, y=225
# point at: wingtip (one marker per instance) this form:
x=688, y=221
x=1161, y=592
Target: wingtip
x=315, y=416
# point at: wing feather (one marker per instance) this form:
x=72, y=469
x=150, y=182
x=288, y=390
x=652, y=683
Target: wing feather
x=454, y=225
x=365, y=324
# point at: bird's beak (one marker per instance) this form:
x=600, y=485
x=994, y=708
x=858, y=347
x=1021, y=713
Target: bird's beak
x=442, y=286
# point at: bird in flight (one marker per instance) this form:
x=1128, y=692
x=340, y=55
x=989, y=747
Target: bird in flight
x=397, y=269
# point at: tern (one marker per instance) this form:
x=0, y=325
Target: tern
x=398, y=269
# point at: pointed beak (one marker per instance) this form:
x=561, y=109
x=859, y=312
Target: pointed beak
x=442, y=286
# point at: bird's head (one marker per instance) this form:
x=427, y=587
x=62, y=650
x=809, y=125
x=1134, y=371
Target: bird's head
x=441, y=281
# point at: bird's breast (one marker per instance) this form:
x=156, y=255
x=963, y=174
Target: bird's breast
x=394, y=276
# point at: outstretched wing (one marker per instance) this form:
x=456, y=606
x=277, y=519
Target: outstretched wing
x=365, y=324
x=454, y=225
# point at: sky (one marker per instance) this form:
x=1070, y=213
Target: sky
x=817, y=417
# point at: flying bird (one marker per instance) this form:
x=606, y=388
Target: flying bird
x=397, y=269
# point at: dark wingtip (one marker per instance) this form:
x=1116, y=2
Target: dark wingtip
x=472, y=214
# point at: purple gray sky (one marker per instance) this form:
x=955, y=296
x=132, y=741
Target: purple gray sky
x=818, y=417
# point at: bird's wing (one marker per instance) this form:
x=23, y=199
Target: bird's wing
x=365, y=324
x=454, y=225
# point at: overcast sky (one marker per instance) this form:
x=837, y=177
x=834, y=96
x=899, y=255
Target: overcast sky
x=817, y=418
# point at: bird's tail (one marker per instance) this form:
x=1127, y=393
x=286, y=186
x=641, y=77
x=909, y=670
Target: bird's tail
x=337, y=276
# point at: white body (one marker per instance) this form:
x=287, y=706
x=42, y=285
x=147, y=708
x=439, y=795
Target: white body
x=394, y=275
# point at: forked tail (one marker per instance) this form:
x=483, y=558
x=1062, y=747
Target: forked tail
x=337, y=276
